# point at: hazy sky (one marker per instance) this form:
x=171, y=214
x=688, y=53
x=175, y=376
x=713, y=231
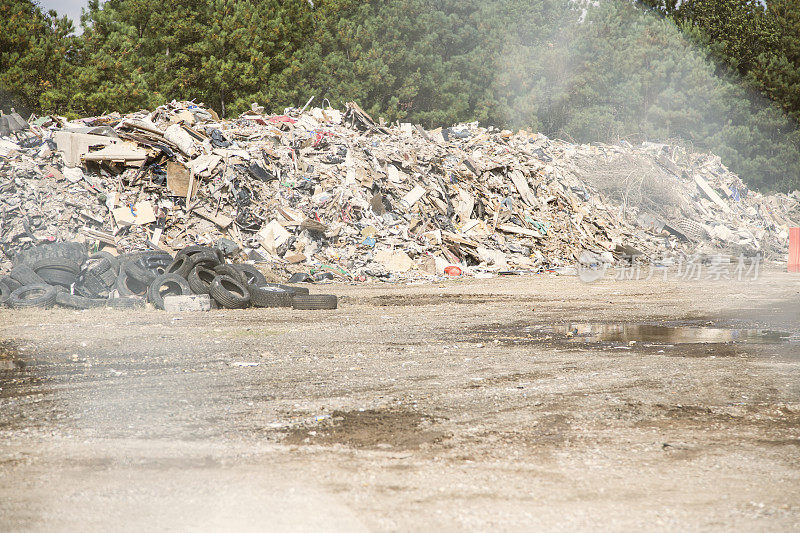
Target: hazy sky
x=70, y=8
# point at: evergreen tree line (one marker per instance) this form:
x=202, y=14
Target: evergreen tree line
x=718, y=75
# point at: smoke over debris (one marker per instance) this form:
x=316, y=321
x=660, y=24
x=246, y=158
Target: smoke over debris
x=580, y=70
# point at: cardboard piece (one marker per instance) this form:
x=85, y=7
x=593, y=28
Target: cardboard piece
x=141, y=214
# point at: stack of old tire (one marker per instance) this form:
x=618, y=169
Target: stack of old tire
x=64, y=274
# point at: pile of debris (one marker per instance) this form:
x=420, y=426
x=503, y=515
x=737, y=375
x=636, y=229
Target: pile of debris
x=63, y=274
x=336, y=194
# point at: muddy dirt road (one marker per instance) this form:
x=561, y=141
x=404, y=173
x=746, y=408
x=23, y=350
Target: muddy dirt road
x=451, y=406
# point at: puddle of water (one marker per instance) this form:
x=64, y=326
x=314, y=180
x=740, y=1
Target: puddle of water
x=625, y=333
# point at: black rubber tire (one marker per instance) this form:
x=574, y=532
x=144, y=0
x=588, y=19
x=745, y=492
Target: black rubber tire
x=181, y=266
x=229, y=270
x=253, y=276
x=57, y=271
x=288, y=288
x=24, y=297
x=144, y=266
x=5, y=292
x=205, y=259
x=141, y=274
x=165, y=285
x=24, y=275
x=74, y=301
x=125, y=303
x=195, y=249
x=315, y=301
x=98, y=258
x=127, y=287
x=200, y=279
x=11, y=283
x=154, y=260
x=98, y=280
x=66, y=265
x=269, y=297
x=229, y=292
x=72, y=251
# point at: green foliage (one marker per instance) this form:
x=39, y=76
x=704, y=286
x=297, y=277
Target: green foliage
x=660, y=70
x=33, y=48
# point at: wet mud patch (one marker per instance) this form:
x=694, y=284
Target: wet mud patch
x=440, y=299
x=677, y=338
x=371, y=429
x=770, y=421
x=517, y=379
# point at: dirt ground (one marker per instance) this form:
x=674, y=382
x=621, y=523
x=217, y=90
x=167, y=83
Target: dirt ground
x=411, y=407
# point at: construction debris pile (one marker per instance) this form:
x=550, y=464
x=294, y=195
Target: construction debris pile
x=335, y=194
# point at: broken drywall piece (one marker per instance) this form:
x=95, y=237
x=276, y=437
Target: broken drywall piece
x=397, y=261
x=413, y=196
x=272, y=236
x=72, y=146
x=182, y=139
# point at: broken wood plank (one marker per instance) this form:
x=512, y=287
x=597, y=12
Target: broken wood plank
x=512, y=228
x=711, y=193
x=220, y=220
x=519, y=181
x=452, y=237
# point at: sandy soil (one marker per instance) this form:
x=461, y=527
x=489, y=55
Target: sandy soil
x=410, y=407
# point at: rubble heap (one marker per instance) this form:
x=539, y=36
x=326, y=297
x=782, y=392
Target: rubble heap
x=321, y=190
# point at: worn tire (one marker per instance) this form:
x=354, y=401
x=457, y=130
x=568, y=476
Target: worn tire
x=11, y=283
x=5, y=292
x=200, y=279
x=74, y=301
x=127, y=286
x=181, y=265
x=43, y=296
x=315, y=301
x=98, y=280
x=229, y=270
x=24, y=275
x=230, y=292
x=204, y=259
x=72, y=251
x=252, y=275
x=98, y=257
x=141, y=274
x=288, y=288
x=195, y=249
x=166, y=285
x=153, y=261
x=269, y=297
x=57, y=271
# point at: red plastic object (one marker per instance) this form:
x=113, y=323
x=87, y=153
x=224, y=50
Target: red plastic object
x=282, y=118
x=452, y=270
x=794, y=249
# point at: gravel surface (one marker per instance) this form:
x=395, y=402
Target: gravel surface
x=410, y=407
